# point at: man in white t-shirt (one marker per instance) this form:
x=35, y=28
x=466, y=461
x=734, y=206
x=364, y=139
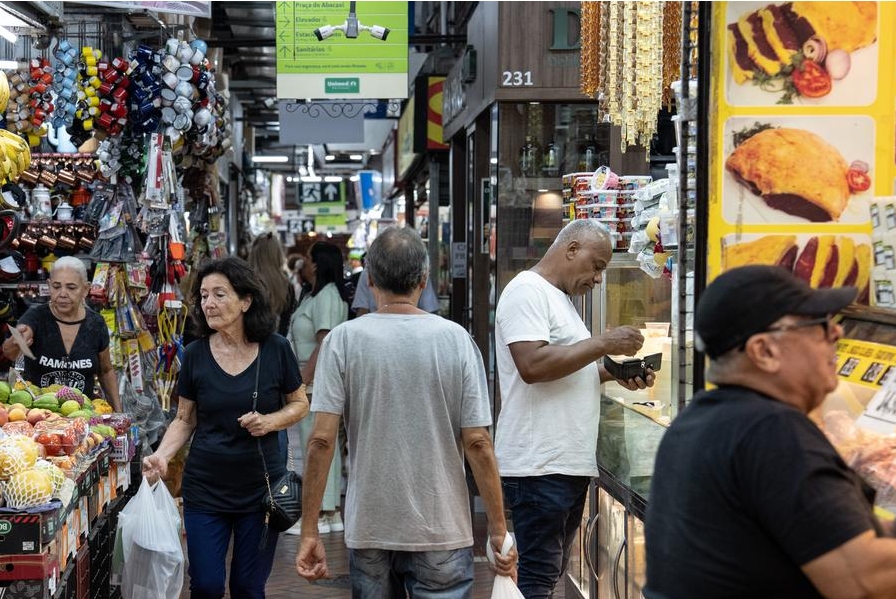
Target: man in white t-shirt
x=547, y=359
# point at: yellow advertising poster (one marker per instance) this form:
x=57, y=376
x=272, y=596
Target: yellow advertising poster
x=865, y=363
x=801, y=137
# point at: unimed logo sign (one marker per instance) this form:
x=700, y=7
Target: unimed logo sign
x=5, y=527
x=342, y=85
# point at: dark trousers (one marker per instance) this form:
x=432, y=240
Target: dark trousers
x=546, y=511
x=208, y=537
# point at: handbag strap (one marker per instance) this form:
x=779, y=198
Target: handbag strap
x=264, y=463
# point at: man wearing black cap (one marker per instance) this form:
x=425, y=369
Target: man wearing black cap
x=748, y=497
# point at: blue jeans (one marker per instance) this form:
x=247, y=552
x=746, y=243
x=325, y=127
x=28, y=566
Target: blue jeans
x=546, y=512
x=208, y=537
x=383, y=574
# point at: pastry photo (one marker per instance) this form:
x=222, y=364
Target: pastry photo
x=797, y=169
x=807, y=53
x=820, y=260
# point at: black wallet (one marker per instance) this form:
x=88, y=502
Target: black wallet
x=633, y=367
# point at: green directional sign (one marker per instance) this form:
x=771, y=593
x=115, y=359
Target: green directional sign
x=334, y=50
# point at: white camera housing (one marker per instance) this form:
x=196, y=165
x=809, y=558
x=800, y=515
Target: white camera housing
x=380, y=33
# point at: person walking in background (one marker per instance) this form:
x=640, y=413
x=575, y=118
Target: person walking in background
x=748, y=497
x=70, y=341
x=408, y=523
x=266, y=259
x=546, y=439
x=322, y=309
x=237, y=353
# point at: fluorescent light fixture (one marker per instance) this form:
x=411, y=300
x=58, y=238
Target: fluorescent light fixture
x=356, y=157
x=493, y=161
x=332, y=179
x=311, y=179
x=7, y=19
x=354, y=178
x=542, y=191
x=329, y=158
x=270, y=159
x=9, y=65
x=8, y=35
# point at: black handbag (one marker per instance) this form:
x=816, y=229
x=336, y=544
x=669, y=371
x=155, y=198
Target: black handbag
x=283, y=501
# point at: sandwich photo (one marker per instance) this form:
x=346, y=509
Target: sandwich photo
x=793, y=174
x=820, y=260
x=800, y=50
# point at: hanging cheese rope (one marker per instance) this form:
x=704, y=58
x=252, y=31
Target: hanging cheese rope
x=590, y=48
x=630, y=54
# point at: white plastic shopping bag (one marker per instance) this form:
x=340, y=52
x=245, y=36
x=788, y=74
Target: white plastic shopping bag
x=148, y=544
x=504, y=587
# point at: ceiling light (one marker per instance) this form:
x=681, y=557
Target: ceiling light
x=329, y=158
x=333, y=179
x=354, y=178
x=9, y=65
x=314, y=179
x=8, y=35
x=9, y=20
x=270, y=159
x=356, y=157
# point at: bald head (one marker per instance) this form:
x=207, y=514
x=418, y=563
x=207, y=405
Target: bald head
x=583, y=230
x=576, y=260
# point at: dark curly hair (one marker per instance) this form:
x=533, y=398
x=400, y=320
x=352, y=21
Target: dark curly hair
x=259, y=322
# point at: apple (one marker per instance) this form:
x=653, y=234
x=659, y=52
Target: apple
x=36, y=415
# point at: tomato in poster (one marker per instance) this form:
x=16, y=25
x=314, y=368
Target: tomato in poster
x=858, y=180
x=811, y=80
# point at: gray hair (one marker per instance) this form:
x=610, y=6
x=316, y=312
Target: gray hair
x=583, y=230
x=70, y=263
x=397, y=260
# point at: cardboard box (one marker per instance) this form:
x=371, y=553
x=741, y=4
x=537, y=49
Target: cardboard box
x=23, y=532
x=33, y=576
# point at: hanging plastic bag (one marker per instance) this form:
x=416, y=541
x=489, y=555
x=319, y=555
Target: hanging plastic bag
x=148, y=545
x=504, y=587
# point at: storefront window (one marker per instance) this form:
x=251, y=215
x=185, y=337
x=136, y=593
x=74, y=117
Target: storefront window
x=538, y=143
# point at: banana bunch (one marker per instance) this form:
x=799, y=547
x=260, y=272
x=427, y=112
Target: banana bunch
x=4, y=92
x=15, y=155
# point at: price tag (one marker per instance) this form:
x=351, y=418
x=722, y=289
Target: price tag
x=880, y=414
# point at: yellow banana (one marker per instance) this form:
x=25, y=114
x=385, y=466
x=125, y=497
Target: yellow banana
x=4, y=91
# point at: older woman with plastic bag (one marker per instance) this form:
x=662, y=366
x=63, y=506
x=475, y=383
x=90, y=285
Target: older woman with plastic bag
x=237, y=354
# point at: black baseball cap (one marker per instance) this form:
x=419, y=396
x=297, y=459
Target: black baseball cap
x=746, y=300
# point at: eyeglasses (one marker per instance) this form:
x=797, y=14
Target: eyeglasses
x=824, y=321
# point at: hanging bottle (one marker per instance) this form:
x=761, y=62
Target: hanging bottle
x=529, y=158
x=551, y=159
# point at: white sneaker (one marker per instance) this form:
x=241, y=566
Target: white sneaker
x=323, y=526
x=295, y=529
x=335, y=522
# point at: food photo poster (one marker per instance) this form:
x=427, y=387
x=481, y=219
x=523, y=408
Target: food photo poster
x=802, y=134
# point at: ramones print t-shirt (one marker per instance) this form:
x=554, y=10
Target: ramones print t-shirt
x=53, y=365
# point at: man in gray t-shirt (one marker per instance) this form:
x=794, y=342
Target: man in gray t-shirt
x=411, y=415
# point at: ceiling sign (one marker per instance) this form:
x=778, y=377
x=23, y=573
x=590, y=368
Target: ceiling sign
x=344, y=50
x=320, y=123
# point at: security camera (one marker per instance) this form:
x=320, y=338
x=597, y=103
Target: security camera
x=326, y=31
x=380, y=33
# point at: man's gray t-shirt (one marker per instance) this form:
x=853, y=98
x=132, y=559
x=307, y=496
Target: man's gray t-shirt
x=407, y=385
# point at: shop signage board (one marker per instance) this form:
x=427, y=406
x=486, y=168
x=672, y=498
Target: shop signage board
x=326, y=51
x=800, y=145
